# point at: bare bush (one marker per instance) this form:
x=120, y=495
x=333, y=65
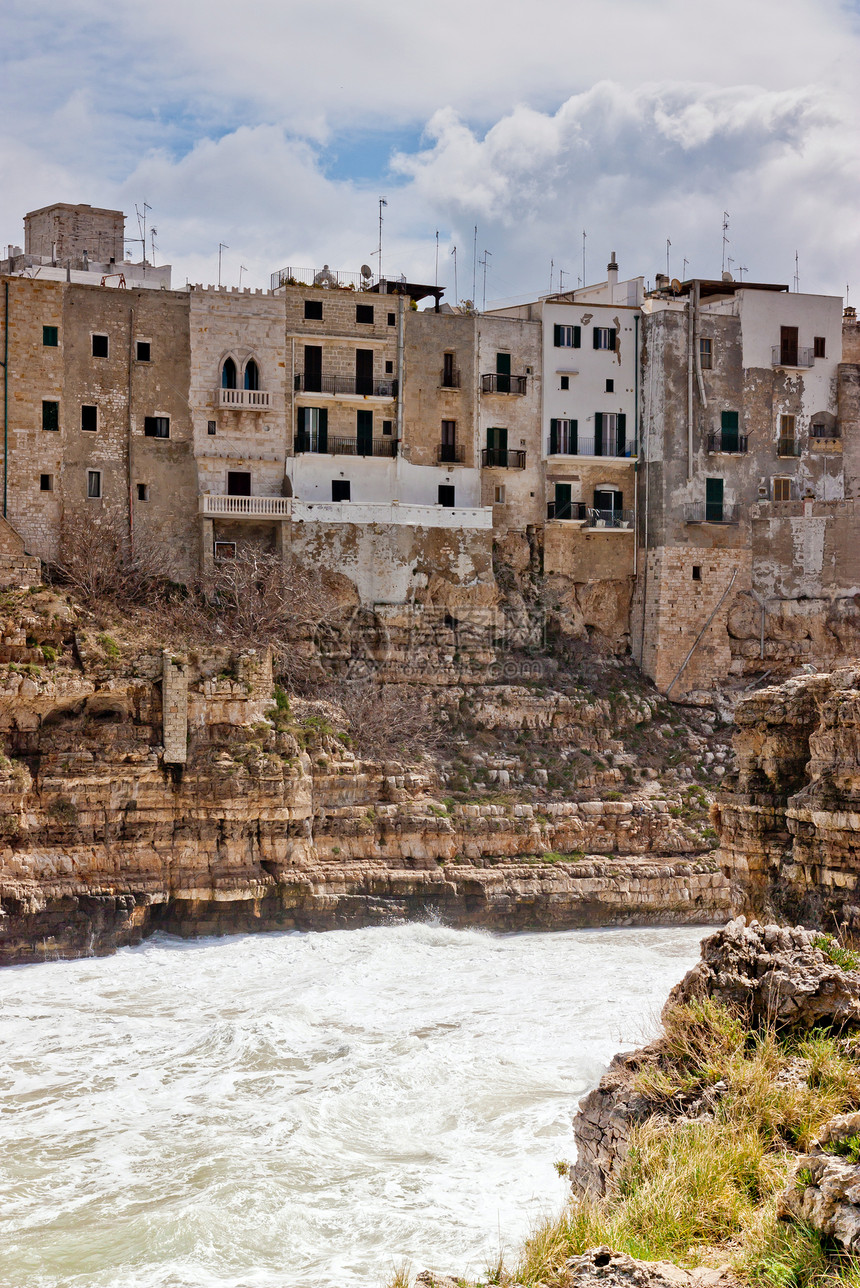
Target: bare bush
x=100, y=561
x=387, y=721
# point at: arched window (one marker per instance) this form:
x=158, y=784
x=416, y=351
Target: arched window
x=228, y=374
x=252, y=375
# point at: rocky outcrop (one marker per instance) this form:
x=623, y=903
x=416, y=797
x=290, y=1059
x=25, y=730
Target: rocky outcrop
x=609, y=1269
x=824, y=1189
x=789, y=819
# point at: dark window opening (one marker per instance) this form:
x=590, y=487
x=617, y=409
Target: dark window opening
x=156, y=426
x=340, y=489
x=313, y=368
x=238, y=483
x=448, y=378
x=313, y=310
x=51, y=416
x=788, y=346
x=706, y=353
x=364, y=313
x=389, y=368
x=94, y=485
x=697, y=572
x=89, y=419
x=50, y=337
x=364, y=433
x=211, y=426
x=565, y=382
x=225, y=549
x=392, y=319
x=713, y=500
x=446, y=494
x=387, y=427
x=252, y=375
x=610, y=386
x=228, y=374
x=100, y=346
x=143, y=491
x=144, y=351
x=819, y=346
x=46, y=482
x=364, y=371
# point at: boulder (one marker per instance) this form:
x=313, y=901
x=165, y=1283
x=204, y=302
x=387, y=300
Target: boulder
x=617, y=1270
x=824, y=1189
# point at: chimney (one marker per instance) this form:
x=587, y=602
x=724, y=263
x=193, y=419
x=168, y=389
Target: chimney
x=612, y=272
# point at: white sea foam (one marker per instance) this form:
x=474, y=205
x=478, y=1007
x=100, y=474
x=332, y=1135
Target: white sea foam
x=297, y=1110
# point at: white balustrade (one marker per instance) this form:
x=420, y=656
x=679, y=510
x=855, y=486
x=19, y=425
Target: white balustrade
x=245, y=399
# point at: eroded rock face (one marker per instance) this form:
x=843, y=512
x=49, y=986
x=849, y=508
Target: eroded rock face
x=824, y=1190
x=609, y=1269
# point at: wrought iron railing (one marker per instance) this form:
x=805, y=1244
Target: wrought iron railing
x=825, y=431
x=330, y=278
x=711, y=512
x=609, y=445
x=566, y=510
x=503, y=458
x=333, y=445
x=610, y=519
x=728, y=444
x=499, y=383
x=360, y=386
x=450, y=379
x=450, y=454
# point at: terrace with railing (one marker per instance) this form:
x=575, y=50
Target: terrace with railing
x=577, y=445
x=328, y=278
x=450, y=454
x=244, y=399
x=727, y=444
x=503, y=458
x=497, y=382
x=782, y=355
x=622, y=520
x=334, y=445
x=788, y=447
x=345, y=386
x=711, y=512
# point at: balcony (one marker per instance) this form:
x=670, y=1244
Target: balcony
x=345, y=386
x=329, y=278
x=450, y=379
x=788, y=356
x=244, y=399
x=336, y=446
x=502, y=458
x=620, y=520
x=498, y=383
x=788, y=447
x=609, y=445
x=727, y=444
x=711, y=512
x=576, y=510
x=450, y=454
x=245, y=507
x=824, y=431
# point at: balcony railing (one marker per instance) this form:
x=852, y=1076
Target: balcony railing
x=622, y=519
x=567, y=510
x=728, y=444
x=825, y=431
x=711, y=512
x=498, y=383
x=333, y=445
x=780, y=356
x=352, y=386
x=245, y=399
x=450, y=379
x=788, y=447
x=502, y=458
x=273, y=507
x=450, y=454
x=331, y=278
x=609, y=445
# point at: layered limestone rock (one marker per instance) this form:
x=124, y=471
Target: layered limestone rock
x=824, y=1189
x=789, y=821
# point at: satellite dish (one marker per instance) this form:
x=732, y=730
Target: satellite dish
x=676, y=286
x=365, y=270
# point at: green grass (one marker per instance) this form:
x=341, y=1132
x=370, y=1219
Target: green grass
x=844, y=958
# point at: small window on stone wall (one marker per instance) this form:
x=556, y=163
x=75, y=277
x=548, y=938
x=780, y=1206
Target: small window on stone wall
x=819, y=349
x=211, y=426
x=89, y=419
x=50, y=415
x=392, y=319
x=46, y=482
x=225, y=549
x=387, y=427
x=50, y=337
x=94, y=485
x=313, y=310
x=697, y=572
x=100, y=346
x=143, y=491
x=144, y=350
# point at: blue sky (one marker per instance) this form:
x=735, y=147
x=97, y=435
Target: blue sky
x=275, y=126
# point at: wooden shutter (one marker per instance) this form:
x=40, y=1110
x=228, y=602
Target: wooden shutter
x=598, y=433
x=577, y=336
x=553, y=437
x=556, y=336
x=621, y=445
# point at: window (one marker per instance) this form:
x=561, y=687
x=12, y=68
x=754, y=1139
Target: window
x=312, y=427
x=566, y=337
x=604, y=337
x=225, y=549
x=706, y=353
x=94, y=485
x=819, y=346
x=729, y=436
x=50, y=415
x=787, y=445
x=788, y=336
x=565, y=382
x=364, y=371
x=313, y=310
x=144, y=351
x=697, y=572
x=782, y=489
x=387, y=427
x=100, y=346
x=211, y=426
x=89, y=419
x=446, y=494
x=46, y=482
x=50, y=337
x=392, y=319
x=499, y=494
x=713, y=500
x=364, y=313
x=228, y=374
x=449, y=372
x=448, y=443
x=610, y=386
x=252, y=375
x=156, y=426
x=563, y=438
x=238, y=483
x=143, y=491
x=389, y=368
x=340, y=489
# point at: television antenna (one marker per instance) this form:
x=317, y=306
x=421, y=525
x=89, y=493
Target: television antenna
x=742, y=268
x=484, y=263
x=221, y=246
x=796, y=273
x=382, y=202
x=242, y=269
x=141, y=226
x=725, y=238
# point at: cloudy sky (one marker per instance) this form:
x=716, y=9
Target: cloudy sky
x=274, y=127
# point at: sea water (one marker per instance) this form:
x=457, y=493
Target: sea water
x=297, y=1110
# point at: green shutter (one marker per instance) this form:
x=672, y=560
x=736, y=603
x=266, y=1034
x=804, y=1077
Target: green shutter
x=503, y=364
x=714, y=500
x=621, y=446
x=556, y=336
x=574, y=436
x=562, y=500
x=577, y=336
x=553, y=437
x=323, y=430
x=364, y=433
x=729, y=420
x=598, y=433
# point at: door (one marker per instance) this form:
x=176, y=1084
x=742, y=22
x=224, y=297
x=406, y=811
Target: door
x=238, y=483
x=713, y=500
x=446, y=494
x=448, y=370
x=607, y=503
x=497, y=446
x=364, y=433
x=788, y=346
x=340, y=489
x=729, y=431
x=503, y=373
x=449, y=441
x=364, y=371
x=313, y=368
x=562, y=501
